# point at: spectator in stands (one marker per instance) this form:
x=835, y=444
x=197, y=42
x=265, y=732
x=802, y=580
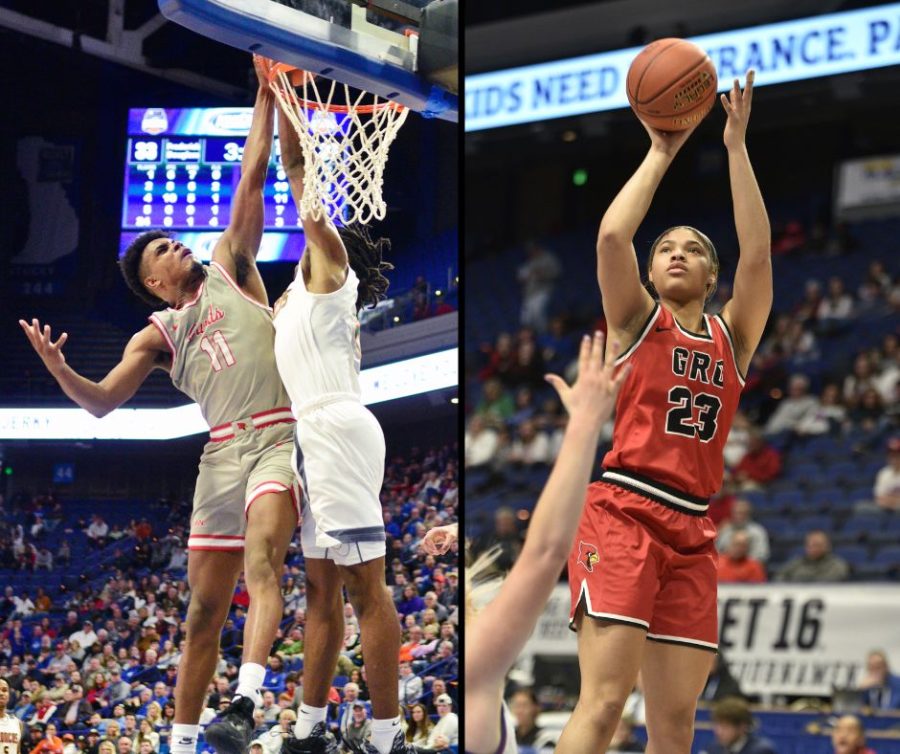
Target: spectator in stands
x=525, y=709
x=881, y=687
x=537, y=276
x=146, y=734
x=24, y=709
x=43, y=561
x=887, y=481
x=742, y=520
x=818, y=564
x=721, y=683
x=828, y=416
x=733, y=728
x=97, y=531
x=862, y=378
x=271, y=740
x=760, y=465
x=409, y=687
x=497, y=405
x=270, y=708
x=794, y=408
x=24, y=605
x=86, y=636
x=506, y=536
x=75, y=710
x=446, y=731
x=274, y=678
x=623, y=739
x=849, y=737
x=736, y=565
x=481, y=443
x=530, y=447
x=419, y=727
x=50, y=743
x=836, y=309
x=868, y=414
x=125, y=745
x=358, y=730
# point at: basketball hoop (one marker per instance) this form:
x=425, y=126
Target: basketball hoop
x=345, y=143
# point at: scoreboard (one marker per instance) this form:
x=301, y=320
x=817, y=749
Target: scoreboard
x=181, y=173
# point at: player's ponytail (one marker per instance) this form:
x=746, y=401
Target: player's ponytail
x=365, y=257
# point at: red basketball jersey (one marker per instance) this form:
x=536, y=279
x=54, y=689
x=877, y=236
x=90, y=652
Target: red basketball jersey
x=675, y=410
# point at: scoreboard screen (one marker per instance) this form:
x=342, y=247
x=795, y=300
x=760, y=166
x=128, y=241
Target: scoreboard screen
x=182, y=169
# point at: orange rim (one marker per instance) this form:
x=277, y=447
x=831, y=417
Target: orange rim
x=331, y=108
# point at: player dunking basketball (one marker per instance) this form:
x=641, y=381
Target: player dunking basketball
x=216, y=340
x=10, y=725
x=339, y=458
x=643, y=563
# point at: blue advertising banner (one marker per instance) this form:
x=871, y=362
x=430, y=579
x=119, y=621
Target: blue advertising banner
x=789, y=51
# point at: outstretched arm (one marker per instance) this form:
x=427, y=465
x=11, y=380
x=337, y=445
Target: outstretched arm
x=237, y=248
x=747, y=312
x=325, y=253
x=145, y=351
x=626, y=303
x=495, y=638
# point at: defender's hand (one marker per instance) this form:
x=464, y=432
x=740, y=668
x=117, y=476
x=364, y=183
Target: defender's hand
x=593, y=396
x=51, y=353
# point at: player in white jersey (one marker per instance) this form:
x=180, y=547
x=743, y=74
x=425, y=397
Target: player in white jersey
x=11, y=731
x=339, y=452
x=493, y=638
x=216, y=340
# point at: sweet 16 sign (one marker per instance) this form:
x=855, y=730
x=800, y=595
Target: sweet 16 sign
x=789, y=51
x=779, y=638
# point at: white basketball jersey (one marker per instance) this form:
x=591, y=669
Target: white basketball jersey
x=317, y=342
x=10, y=734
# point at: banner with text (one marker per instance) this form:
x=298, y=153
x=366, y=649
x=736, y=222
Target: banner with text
x=868, y=187
x=778, y=638
x=789, y=51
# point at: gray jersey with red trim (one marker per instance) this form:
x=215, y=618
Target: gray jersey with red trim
x=223, y=351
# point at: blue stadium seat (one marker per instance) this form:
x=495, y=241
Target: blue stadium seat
x=889, y=555
x=853, y=554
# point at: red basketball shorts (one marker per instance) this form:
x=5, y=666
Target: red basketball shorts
x=639, y=562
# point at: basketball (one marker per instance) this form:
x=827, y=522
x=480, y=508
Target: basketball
x=671, y=84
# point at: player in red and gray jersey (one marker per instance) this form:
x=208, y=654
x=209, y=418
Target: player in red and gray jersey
x=216, y=340
x=643, y=563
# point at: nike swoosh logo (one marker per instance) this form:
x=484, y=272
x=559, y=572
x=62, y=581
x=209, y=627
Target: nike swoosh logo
x=395, y=724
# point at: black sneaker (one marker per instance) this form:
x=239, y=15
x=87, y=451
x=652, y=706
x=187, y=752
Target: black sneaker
x=230, y=732
x=320, y=741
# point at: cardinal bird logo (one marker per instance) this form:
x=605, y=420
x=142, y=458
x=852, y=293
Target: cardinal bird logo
x=588, y=555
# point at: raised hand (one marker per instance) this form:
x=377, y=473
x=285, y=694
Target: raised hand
x=262, y=66
x=593, y=396
x=737, y=107
x=51, y=353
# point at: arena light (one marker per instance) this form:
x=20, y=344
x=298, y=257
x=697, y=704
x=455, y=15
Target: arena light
x=788, y=51
x=382, y=383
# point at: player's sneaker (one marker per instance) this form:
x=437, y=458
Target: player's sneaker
x=320, y=741
x=398, y=747
x=230, y=732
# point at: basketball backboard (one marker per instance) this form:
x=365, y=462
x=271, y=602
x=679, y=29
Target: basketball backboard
x=337, y=41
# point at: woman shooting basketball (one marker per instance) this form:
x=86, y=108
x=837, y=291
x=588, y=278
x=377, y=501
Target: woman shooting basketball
x=643, y=563
x=495, y=638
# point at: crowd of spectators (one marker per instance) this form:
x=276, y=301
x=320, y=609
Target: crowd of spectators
x=99, y=661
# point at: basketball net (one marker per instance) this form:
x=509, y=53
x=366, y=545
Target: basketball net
x=345, y=145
